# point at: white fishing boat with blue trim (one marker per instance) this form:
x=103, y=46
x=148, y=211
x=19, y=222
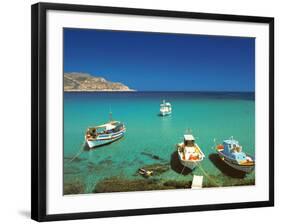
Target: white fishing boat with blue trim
x=231, y=153
x=165, y=108
x=104, y=134
x=189, y=153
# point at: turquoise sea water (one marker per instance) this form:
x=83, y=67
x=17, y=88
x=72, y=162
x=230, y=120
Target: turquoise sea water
x=208, y=115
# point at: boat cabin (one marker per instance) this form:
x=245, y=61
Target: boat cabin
x=165, y=105
x=234, y=150
x=117, y=127
x=189, y=140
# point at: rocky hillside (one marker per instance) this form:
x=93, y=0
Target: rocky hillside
x=85, y=82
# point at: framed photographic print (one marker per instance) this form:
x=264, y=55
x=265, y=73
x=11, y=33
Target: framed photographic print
x=138, y=111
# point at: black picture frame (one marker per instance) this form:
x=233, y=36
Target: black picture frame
x=39, y=121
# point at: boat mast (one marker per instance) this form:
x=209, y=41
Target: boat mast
x=110, y=113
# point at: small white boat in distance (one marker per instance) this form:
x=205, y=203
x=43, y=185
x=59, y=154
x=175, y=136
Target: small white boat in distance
x=104, y=134
x=189, y=153
x=165, y=108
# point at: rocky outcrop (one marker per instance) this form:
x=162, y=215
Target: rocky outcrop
x=83, y=82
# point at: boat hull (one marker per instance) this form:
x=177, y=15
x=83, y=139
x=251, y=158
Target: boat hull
x=232, y=163
x=105, y=139
x=165, y=113
x=189, y=164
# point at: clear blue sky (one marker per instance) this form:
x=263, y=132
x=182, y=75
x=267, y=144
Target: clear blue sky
x=162, y=62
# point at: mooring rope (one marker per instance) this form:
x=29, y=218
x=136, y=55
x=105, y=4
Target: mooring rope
x=207, y=176
x=78, y=153
x=182, y=170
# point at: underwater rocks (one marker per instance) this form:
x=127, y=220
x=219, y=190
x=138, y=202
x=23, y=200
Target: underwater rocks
x=224, y=181
x=178, y=184
x=115, y=184
x=106, y=162
x=99, y=167
x=74, y=187
x=71, y=170
x=152, y=156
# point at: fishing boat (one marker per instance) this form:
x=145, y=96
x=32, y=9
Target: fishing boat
x=189, y=153
x=165, y=108
x=104, y=134
x=231, y=153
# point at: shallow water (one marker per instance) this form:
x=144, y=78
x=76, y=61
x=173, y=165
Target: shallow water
x=151, y=139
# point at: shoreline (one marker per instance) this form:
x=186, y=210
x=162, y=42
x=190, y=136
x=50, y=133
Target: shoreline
x=107, y=90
